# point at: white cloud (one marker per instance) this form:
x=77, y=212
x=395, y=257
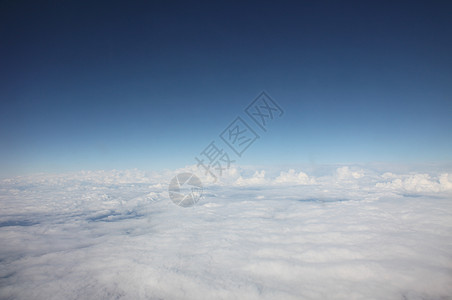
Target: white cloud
x=258, y=178
x=445, y=181
x=416, y=182
x=292, y=177
x=344, y=173
x=350, y=233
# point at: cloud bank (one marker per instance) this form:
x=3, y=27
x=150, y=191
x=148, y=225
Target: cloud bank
x=335, y=232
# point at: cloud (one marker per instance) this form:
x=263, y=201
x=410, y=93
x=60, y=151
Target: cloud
x=416, y=182
x=257, y=234
x=344, y=173
x=258, y=178
x=292, y=177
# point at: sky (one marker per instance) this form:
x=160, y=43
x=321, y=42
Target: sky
x=106, y=107
x=149, y=84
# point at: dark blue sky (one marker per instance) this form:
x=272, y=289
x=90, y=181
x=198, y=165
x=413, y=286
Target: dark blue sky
x=149, y=84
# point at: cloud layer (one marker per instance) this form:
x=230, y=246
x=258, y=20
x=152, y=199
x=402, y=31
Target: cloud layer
x=336, y=232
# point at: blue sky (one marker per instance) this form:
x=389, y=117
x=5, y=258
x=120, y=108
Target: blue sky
x=149, y=84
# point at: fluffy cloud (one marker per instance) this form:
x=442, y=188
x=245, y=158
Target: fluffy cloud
x=350, y=232
x=292, y=177
x=258, y=178
x=344, y=173
x=416, y=182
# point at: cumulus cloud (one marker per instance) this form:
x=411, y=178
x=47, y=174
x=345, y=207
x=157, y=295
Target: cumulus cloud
x=350, y=232
x=344, y=173
x=416, y=182
x=258, y=178
x=292, y=177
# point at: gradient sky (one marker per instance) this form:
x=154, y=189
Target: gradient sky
x=149, y=84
